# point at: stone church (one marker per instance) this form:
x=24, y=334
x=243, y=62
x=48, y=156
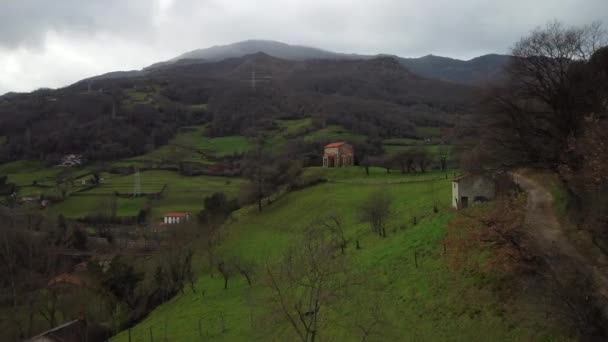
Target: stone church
x=338, y=154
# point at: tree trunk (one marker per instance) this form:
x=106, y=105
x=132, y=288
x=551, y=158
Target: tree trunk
x=247, y=277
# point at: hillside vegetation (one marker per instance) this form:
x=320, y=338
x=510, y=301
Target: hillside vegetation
x=125, y=117
x=398, y=286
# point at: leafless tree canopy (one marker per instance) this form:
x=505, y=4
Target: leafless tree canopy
x=376, y=210
x=309, y=277
x=530, y=118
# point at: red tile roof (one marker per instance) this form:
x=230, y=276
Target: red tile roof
x=336, y=144
x=67, y=278
x=176, y=215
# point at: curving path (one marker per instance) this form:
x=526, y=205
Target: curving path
x=555, y=247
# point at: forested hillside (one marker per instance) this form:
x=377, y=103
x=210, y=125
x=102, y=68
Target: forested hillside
x=107, y=119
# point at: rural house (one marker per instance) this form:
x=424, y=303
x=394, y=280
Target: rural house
x=338, y=154
x=71, y=160
x=176, y=218
x=472, y=189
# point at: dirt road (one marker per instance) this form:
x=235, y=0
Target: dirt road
x=567, y=263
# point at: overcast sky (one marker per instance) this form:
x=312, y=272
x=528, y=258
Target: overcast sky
x=46, y=43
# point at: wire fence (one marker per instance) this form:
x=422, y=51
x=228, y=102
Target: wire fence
x=188, y=328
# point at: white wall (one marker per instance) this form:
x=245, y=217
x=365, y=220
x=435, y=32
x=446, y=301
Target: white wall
x=472, y=187
x=455, y=195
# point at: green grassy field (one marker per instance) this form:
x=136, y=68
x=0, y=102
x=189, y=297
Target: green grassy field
x=191, y=144
x=187, y=193
x=184, y=194
x=200, y=106
x=403, y=141
x=433, y=150
x=295, y=127
x=421, y=299
x=223, y=146
x=194, y=137
x=79, y=206
x=137, y=96
x=25, y=172
x=334, y=133
x=428, y=132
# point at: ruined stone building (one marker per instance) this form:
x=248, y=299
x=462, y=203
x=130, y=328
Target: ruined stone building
x=338, y=154
x=472, y=189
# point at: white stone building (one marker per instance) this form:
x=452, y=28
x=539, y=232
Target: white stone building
x=471, y=189
x=176, y=218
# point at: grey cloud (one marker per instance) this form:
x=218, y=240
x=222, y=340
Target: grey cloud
x=26, y=22
x=147, y=31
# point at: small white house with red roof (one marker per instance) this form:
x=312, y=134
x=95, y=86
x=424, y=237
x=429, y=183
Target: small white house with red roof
x=176, y=218
x=338, y=154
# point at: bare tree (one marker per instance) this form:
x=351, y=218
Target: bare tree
x=366, y=163
x=257, y=172
x=370, y=320
x=307, y=279
x=534, y=114
x=246, y=268
x=226, y=271
x=48, y=310
x=376, y=210
x=8, y=259
x=334, y=225
x=421, y=157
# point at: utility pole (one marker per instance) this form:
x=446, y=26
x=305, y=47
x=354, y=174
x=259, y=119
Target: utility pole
x=137, y=184
x=255, y=79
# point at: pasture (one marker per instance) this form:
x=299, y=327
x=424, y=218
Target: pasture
x=179, y=193
x=334, y=133
x=405, y=275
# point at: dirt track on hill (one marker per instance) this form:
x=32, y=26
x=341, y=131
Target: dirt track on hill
x=567, y=264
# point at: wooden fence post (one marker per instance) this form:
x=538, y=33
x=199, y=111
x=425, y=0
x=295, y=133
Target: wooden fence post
x=200, y=331
x=151, y=335
x=416, y=258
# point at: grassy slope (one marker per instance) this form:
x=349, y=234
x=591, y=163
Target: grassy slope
x=295, y=127
x=190, y=144
x=80, y=206
x=187, y=193
x=334, y=133
x=428, y=132
x=433, y=150
x=24, y=172
x=182, y=194
x=430, y=302
x=395, y=145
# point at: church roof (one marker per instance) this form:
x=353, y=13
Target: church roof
x=175, y=215
x=336, y=144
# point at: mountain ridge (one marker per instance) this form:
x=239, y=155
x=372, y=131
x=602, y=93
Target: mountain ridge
x=478, y=69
